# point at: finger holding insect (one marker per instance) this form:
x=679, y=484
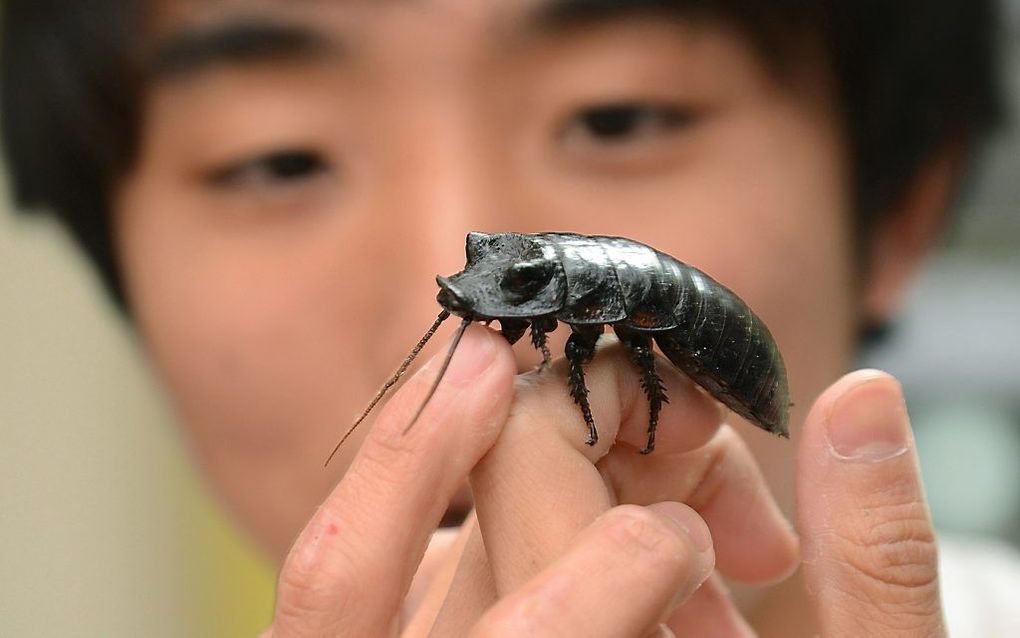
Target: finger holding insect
x=702, y=418
x=375, y=525
x=539, y=485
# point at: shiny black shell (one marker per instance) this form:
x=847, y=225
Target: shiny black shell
x=701, y=326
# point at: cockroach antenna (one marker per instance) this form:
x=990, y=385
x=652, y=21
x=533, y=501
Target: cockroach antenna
x=443, y=316
x=442, y=371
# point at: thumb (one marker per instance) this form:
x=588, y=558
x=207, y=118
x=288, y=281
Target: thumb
x=868, y=544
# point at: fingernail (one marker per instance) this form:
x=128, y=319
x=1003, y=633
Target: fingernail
x=689, y=522
x=474, y=355
x=869, y=422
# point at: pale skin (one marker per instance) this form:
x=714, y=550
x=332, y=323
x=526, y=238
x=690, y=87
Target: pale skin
x=274, y=301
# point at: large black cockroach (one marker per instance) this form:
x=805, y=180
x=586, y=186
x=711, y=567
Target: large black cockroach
x=587, y=282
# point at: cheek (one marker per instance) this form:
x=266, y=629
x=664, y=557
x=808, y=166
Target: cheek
x=253, y=334
x=214, y=316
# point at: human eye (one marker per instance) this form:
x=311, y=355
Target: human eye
x=617, y=124
x=278, y=169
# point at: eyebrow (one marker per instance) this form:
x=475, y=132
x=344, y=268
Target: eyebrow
x=238, y=41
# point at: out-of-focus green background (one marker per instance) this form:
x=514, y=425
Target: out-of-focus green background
x=105, y=529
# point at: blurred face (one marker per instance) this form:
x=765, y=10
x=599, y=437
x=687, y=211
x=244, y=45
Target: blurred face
x=308, y=168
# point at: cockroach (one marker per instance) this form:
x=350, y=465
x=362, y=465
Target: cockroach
x=537, y=281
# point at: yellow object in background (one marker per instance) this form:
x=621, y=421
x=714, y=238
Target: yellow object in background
x=234, y=595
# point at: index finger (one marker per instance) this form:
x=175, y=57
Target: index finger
x=353, y=563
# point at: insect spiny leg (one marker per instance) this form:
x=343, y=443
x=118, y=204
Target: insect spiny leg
x=640, y=347
x=538, y=339
x=580, y=350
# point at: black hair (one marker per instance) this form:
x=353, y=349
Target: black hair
x=913, y=77
x=70, y=101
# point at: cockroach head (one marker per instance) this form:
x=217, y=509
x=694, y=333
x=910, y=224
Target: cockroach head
x=507, y=275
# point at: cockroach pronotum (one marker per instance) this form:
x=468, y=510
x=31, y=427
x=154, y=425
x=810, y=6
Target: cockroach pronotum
x=536, y=281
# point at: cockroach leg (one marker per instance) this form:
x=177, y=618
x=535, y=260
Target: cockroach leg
x=640, y=348
x=539, y=328
x=581, y=350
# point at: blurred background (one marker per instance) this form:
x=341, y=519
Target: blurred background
x=956, y=346
x=105, y=530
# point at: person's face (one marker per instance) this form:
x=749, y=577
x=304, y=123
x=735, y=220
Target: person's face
x=306, y=170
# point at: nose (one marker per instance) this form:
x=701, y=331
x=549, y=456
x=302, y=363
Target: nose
x=441, y=180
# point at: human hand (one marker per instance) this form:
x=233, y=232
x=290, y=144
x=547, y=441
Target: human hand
x=552, y=553
x=351, y=567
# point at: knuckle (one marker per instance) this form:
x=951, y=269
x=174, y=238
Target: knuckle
x=638, y=532
x=311, y=583
x=296, y=601
x=904, y=563
x=895, y=560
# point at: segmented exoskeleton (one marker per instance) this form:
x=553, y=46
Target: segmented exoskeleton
x=536, y=281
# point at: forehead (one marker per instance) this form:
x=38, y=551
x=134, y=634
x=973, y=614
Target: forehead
x=194, y=33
